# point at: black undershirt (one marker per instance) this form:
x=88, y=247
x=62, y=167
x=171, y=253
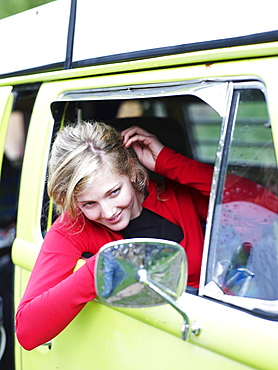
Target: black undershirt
x=150, y=225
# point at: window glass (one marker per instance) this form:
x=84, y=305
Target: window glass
x=244, y=243
x=206, y=124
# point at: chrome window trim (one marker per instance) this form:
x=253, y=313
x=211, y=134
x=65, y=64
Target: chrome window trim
x=214, y=187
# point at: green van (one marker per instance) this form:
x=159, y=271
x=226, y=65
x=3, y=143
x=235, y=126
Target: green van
x=214, y=101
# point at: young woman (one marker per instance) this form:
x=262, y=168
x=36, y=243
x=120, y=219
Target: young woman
x=99, y=183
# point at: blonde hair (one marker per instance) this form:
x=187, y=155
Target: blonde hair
x=78, y=152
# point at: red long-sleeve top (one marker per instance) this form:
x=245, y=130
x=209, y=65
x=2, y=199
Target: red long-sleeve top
x=56, y=293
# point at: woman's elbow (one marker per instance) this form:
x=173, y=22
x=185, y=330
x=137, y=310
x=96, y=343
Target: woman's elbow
x=25, y=340
x=25, y=335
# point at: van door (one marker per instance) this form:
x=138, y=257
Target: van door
x=121, y=338
x=99, y=332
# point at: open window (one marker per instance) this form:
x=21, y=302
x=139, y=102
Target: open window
x=185, y=117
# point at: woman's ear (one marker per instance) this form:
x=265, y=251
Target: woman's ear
x=132, y=171
x=133, y=176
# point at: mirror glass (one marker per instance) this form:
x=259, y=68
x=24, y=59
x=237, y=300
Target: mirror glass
x=117, y=267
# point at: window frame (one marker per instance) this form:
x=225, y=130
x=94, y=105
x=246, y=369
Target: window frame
x=212, y=92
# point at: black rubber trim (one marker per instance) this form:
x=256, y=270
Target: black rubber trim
x=31, y=71
x=70, y=40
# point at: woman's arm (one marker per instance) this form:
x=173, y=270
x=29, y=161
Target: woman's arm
x=146, y=145
x=55, y=294
x=160, y=159
x=184, y=170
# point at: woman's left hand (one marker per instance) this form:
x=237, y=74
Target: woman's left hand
x=146, y=145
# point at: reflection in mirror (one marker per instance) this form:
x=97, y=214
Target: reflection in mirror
x=118, y=265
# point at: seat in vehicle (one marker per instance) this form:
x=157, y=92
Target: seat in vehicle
x=168, y=130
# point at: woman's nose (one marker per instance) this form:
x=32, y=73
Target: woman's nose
x=108, y=210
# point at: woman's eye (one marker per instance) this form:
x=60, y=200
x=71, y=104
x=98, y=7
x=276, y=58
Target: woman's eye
x=88, y=204
x=115, y=192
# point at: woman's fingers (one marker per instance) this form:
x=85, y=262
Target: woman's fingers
x=133, y=134
x=146, y=145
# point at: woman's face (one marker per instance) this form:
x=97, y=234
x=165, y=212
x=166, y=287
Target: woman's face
x=110, y=200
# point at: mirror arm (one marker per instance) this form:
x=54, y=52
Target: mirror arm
x=143, y=278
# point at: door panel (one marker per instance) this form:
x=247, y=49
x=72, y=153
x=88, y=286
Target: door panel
x=104, y=338
x=112, y=339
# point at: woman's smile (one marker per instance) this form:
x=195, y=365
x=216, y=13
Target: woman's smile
x=115, y=218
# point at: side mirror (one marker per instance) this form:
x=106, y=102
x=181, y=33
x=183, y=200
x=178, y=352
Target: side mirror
x=142, y=272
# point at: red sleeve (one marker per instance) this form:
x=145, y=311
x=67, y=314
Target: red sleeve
x=201, y=203
x=55, y=294
x=184, y=170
